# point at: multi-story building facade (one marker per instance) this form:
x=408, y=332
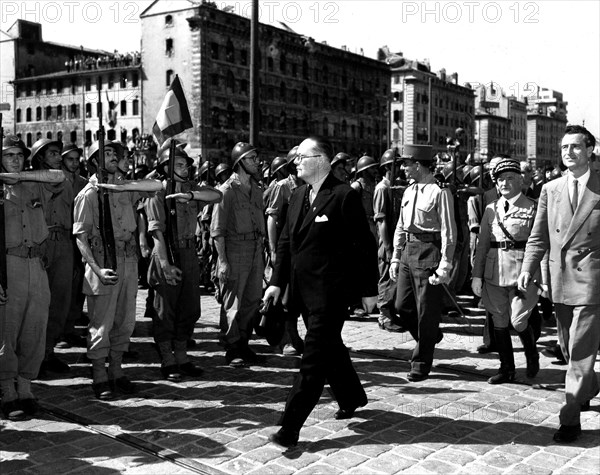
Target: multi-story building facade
x=59, y=91
x=546, y=122
x=428, y=108
x=501, y=123
x=67, y=105
x=305, y=87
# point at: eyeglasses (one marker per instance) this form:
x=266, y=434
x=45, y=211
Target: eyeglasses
x=302, y=157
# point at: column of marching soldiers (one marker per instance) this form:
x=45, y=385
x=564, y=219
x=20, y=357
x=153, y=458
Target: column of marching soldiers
x=478, y=215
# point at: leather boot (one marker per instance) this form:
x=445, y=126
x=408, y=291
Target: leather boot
x=527, y=337
x=506, y=373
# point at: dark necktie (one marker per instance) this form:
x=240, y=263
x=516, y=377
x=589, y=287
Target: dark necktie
x=575, y=197
x=506, y=206
x=306, y=202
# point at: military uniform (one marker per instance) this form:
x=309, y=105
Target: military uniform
x=424, y=240
x=239, y=220
x=498, y=261
x=366, y=193
x=25, y=315
x=111, y=308
x=505, y=229
x=386, y=295
x=177, y=306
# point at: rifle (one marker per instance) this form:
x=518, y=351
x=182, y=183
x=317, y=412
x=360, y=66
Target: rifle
x=3, y=271
x=171, y=207
x=106, y=228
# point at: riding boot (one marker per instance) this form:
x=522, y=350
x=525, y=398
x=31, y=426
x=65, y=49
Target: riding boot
x=527, y=337
x=506, y=373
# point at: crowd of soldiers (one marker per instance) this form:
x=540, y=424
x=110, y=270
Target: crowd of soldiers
x=439, y=226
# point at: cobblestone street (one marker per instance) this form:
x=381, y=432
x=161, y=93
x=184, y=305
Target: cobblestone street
x=454, y=422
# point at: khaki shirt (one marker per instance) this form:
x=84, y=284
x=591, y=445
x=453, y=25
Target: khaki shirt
x=24, y=220
x=58, y=208
x=86, y=214
x=427, y=208
x=239, y=215
x=187, y=213
x=280, y=196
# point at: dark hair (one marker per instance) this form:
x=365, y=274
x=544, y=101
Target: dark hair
x=590, y=140
x=324, y=146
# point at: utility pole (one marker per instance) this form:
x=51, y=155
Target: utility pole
x=254, y=85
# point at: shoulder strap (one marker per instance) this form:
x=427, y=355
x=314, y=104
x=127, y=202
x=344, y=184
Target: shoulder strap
x=504, y=230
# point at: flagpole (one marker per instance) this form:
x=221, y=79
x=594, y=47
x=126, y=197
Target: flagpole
x=254, y=102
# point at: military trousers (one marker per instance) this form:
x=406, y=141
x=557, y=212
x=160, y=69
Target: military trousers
x=242, y=292
x=59, y=255
x=419, y=304
x=177, y=306
x=23, y=318
x=112, y=313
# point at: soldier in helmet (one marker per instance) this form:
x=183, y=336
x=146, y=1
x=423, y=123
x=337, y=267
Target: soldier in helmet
x=386, y=221
x=238, y=228
x=424, y=243
x=46, y=154
x=176, y=282
x=276, y=214
x=24, y=304
x=223, y=172
x=111, y=294
x=339, y=167
x=367, y=177
x=71, y=159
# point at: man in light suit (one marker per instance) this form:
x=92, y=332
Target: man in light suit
x=328, y=255
x=568, y=225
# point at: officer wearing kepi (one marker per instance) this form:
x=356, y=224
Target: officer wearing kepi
x=424, y=243
x=505, y=228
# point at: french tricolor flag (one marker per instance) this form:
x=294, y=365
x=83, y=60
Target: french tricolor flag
x=174, y=115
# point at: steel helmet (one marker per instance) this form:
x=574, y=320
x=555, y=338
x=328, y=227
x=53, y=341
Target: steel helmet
x=291, y=156
x=240, y=150
x=388, y=157
x=13, y=141
x=70, y=148
x=340, y=157
x=277, y=164
x=40, y=144
x=222, y=168
x=205, y=167
x=115, y=144
x=364, y=163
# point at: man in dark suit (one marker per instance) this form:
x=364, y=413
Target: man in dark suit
x=328, y=255
x=567, y=225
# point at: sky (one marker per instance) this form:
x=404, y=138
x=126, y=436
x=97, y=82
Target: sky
x=517, y=45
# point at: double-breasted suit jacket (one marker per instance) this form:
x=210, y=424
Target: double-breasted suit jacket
x=573, y=239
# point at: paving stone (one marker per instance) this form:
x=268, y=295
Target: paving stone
x=15, y=466
x=500, y=459
x=319, y=469
x=239, y=465
x=525, y=468
x=345, y=459
x=435, y=466
x=389, y=463
x=453, y=456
